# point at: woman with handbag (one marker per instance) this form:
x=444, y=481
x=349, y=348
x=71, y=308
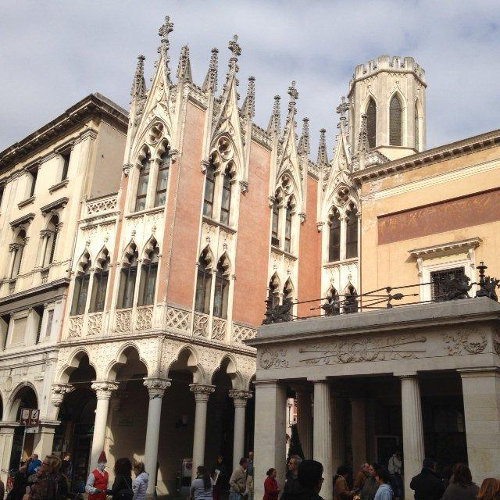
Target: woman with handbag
x=122, y=487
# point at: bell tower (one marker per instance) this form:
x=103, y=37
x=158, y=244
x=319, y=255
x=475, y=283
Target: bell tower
x=390, y=91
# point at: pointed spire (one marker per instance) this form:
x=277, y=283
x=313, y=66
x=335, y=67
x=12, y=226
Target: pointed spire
x=138, y=90
x=294, y=95
x=363, y=146
x=322, y=152
x=343, y=107
x=210, y=83
x=274, y=125
x=249, y=104
x=164, y=31
x=184, y=67
x=235, y=49
x=304, y=147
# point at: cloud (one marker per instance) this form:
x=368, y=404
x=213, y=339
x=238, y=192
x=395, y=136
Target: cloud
x=56, y=52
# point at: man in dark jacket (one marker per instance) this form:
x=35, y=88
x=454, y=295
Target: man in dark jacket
x=428, y=485
x=292, y=482
x=310, y=480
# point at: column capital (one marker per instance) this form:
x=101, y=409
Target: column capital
x=240, y=397
x=58, y=391
x=104, y=389
x=201, y=392
x=156, y=386
x=407, y=376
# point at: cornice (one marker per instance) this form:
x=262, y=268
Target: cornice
x=452, y=246
x=22, y=220
x=61, y=202
x=34, y=291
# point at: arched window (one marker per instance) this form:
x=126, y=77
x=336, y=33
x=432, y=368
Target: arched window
x=351, y=233
x=18, y=249
x=334, y=244
x=221, y=296
x=417, y=129
x=50, y=247
x=208, y=197
x=351, y=303
x=100, y=283
x=128, y=275
x=395, y=122
x=288, y=290
x=332, y=305
x=162, y=179
x=274, y=291
x=203, y=284
x=275, y=241
x=149, y=270
x=225, y=208
x=288, y=227
x=371, y=123
x=142, y=184
x=81, y=289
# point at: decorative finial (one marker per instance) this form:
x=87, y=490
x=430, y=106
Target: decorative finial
x=249, y=106
x=363, y=145
x=343, y=107
x=322, y=152
x=304, y=147
x=274, y=125
x=293, y=92
x=138, y=90
x=164, y=31
x=184, y=67
x=210, y=82
x=234, y=47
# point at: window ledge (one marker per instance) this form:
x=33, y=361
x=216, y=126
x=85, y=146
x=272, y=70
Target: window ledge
x=147, y=211
x=335, y=263
x=26, y=202
x=59, y=185
x=282, y=252
x=223, y=226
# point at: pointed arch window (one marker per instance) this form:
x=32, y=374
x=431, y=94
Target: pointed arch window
x=395, y=121
x=222, y=282
x=142, y=184
x=50, y=246
x=334, y=237
x=274, y=292
x=288, y=227
x=100, y=284
x=225, y=208
x=128, y=276
x=81, y=289
x=208, y=197
x=149, y=271
x=203, y=284
x=351, y=304
x=351, y=233
x=417, y=129
x=18, y=250
x=332, y=306
x=371, y=123
x=162, y=179
x=288, y=290
x=275, y=241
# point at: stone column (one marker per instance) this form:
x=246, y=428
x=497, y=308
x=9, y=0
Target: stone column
x=240, y=399
x=304, y=421
x=338, y=441
x=6, y=438
x=44, y=439
x=103, y=392
x=156, y=389
x=270, y=434
x=201, y=395
x=322, y=434
x=413, y=432
x=481, y=394
x=358, y=437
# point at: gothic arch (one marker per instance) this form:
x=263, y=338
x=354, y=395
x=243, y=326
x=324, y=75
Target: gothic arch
x=397, y=115
x=229, y=365
x=288, y=289
x=149, y=247
x=102, y=257
x=208, y=256
x=83, y=262
x=146, y=139
x=225, y=261
x=121, y=358
x=224, y=153
x=129, y=252
x=72, y=364
x=15, y=400
x=188, y=359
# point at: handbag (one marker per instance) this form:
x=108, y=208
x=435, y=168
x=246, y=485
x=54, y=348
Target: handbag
x=125, y=493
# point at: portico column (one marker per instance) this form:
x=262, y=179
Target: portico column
x=413, y=433
x=240, y=399
x=338, y=441
x=103, y=392
x=358, y=432
x=6, y=438
x=304, y=421
x=481, y=395
x=322, y=434
x=156, y=389
x=201, y=395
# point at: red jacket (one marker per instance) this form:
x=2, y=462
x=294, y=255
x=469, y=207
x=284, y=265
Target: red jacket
x=101, y=483
x=271, y=489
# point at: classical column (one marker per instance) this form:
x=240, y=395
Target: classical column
x=201, y=395
x=481, y=395
x=240, y=399
x=270, y=434
x=413, y=432
x=6, y=439
x=103, y=392
x=322, y=434
x=156, y=389
x=338, y=440
x=358, y=432
x=304, y=420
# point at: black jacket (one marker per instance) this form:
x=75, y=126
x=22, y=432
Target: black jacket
x=298, y=492
x=427, y=485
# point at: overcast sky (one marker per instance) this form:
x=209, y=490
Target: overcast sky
x=55, y=52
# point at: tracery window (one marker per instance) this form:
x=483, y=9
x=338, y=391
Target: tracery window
x=288, y=227
x=221, y=295
x=81, y=289
x=100, y=284
x=203, y=284
x=142, y=184
x=18, y=250
x=162, y=178
x=351, y=232
x=351, y=300
x=275, y=241
x=225, y=208
x=274, y=291
x=371, y=123
x=50, y=244
x=208, y=197
x=334, y=236
x=395, y=121
x=149, y=271
x=288, y=290
x=128, y=276
x=332, y=305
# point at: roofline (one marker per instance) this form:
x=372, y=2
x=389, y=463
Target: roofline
x=92, y=105
x=439, y=153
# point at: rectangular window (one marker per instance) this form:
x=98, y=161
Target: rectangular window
x=208, y=199
x=142, y=189
x=161, y=186
x=438, y=278
x=203, y=286
x=127, y=287
x=99, y=291
x=351, y=250
x=33, y=176
x=50, y=319
x=148, y=284
x=226, y=199
x=2, y=189
x=64, y=172
x=275, y=226
x=19, y=332
x=334, y=246
x=80, y=294
x=38, y=318
x=288, y=230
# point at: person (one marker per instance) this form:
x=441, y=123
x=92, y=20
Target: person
x=19, y=483
x=428, y=485
x=238, y=480
x=221, y=476
x=384, y=491
x=33, y=463
x=249, y=486
x=201, y=487
x=2, y=490
x=122, y=486
x=97, y=482
x=67, y=466
x=371, y=484
x=461, y=486
x=292, y=482
x=395, y=467
x=340, y=489
x=50, y=484
x=361, y=477
x=140, y=484
x=310, y=479
x=490, y=489
x=271, y=489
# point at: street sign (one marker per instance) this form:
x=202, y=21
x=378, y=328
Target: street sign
x=30, y=417
x=32, y=430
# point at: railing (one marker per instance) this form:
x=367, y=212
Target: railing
x=101, y=205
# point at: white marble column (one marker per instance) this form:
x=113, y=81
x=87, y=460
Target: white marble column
x=358, y=432
x=322, y=435
x=304, y=421
x=103, y=392
x=270, y=433
x=481, y=394
x=6, y=438
x=240, y=399
x=156, y=389
x=338, y=439
x=413, y=432
x=201, y=395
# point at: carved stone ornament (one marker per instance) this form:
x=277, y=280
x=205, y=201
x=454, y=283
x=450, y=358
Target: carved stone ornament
x=156, y=386
x=201, y=392
x=465, y=343
x=273, y=358
x=496, y=342
x=240, y=397
x=59, y=391
x=104, y=389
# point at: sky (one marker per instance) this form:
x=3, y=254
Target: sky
x=55, y=52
